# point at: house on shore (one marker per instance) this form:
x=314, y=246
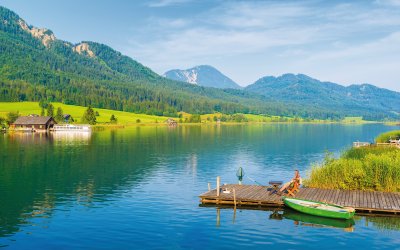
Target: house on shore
x=67, y=118
x=34, y=123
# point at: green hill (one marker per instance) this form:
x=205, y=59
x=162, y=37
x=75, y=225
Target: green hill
x=365, y=100
x=35, y=65
x=124, y=118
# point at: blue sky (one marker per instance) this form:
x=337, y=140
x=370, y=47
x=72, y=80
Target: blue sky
x=340, y=41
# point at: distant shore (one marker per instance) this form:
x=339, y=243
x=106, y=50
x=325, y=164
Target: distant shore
x=127, y=119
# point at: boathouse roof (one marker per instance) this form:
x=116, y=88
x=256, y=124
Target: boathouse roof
x=33, y=120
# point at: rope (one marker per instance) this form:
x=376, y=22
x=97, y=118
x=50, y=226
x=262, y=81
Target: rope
x=255, y=181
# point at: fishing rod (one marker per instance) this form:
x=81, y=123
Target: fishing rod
x=254, y=181
x=240, y=175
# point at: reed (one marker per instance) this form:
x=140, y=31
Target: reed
x=366, y=168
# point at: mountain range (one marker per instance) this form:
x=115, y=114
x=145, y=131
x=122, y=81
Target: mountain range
x=303, y=89
x=35, y=65
x=203, y=75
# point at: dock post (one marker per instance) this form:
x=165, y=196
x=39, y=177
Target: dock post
x=218, y=184
x=234, y=197
x=209, y=186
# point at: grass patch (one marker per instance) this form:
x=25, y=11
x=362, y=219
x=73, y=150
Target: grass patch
x=124, y=118
x=366, y=168
x=385, y=137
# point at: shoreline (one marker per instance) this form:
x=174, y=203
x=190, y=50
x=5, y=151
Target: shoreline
x=98, y=127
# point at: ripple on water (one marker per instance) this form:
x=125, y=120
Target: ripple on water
x=138, y=188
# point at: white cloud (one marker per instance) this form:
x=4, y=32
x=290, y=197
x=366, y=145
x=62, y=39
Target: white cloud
x=286, y=36
x=389, y=2
x=165, y=3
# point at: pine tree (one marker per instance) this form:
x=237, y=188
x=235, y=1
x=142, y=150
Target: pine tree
x=89, y=116
x=113, y=119
x=50, y=110
x=60, y=115
x=42, y=113
x=12, y=117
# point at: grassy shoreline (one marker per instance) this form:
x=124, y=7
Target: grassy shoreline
x=372, y=168
x=127, y=119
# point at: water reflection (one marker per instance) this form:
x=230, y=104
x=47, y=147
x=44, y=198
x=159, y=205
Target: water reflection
x=71, y=137
x=384, y=223
x=150, y=177
x=302, y=219
x=57, y=138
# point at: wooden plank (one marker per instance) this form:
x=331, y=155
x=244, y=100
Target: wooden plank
x=368, y=198
x=308, y=194
x=260, y=195
x=324, y=195
x=362, y=199
x=339, y=197
x=328, y=196
x=388, y=201
x=378, y=201
x=391, y=201
x=336, y=198
x=375, y=203
x=361, y=193
x=353, y=198
x=344, y=197
x=318, y=195
x=396, y=199
x=382, y=201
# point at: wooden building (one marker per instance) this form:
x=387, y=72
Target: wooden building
x=34, y=123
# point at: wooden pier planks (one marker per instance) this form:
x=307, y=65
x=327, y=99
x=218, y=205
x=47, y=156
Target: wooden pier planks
x=252, y=195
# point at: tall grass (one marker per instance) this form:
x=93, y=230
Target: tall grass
x=366, y=168
x=391, y=135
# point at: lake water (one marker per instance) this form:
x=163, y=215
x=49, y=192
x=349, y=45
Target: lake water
x=138, y=188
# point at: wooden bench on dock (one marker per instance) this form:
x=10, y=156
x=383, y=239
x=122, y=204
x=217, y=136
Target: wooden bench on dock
x=253, y=195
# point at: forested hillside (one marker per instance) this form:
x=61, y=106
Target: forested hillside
x=35, y=65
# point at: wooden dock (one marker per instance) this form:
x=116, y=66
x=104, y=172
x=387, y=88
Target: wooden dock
x=252, y=195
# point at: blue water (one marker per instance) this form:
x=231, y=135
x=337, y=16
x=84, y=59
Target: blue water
x=138, y=188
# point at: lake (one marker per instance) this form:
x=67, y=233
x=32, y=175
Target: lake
x=138, y=188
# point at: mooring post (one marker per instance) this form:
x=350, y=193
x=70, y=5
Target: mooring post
x=234, y=197
x=218, y=184
x=209, y=186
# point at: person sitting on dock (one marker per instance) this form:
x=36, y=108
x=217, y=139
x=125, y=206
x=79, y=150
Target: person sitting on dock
x=292, y=185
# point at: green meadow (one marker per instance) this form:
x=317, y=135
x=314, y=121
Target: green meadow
x=124, y=118
x=127, y=118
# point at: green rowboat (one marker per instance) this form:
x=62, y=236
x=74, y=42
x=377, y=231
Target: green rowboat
x=319, y=208
x=316, y=221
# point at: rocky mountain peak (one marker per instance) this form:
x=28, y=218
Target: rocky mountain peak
x=45, y=35
x=83, y=48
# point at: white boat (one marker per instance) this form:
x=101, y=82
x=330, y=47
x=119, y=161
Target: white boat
x=72, y=128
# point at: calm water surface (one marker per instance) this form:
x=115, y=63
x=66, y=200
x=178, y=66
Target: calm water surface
x=139, y=187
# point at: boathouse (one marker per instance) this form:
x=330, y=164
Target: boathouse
x=67, y=118
x=34, y=123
